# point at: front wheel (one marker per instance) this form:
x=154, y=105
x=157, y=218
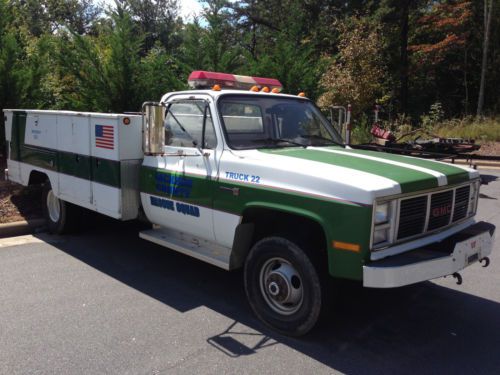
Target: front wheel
x=283, y=286
x=59, y=214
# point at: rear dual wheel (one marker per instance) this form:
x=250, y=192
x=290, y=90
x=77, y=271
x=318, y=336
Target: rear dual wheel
x=283, y=286
x=60, y=216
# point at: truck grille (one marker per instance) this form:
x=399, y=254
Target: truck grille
x=412, y=216
x=446, y=207
x=461, y=203
x=441, y=207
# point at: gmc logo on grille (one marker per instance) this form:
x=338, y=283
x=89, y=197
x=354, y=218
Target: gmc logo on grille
x=441, y=211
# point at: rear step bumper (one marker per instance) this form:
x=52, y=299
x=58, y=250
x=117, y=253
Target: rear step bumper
x=451, y=255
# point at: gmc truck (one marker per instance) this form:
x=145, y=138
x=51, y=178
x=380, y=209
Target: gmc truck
x=239, y=175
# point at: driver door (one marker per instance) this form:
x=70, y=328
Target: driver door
x=185, y=175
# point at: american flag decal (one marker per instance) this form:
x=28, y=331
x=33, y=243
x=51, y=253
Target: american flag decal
x=105, y=136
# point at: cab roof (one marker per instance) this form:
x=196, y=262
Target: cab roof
x=216, y=94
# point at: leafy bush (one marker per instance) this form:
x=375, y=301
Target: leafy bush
x=433, y=117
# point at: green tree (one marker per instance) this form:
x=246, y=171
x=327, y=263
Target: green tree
x=191, y=51
x=357, y=74
x=161, y=73
x=218, y=41
x=280, y=47
x=158, y=20
x=100, y=73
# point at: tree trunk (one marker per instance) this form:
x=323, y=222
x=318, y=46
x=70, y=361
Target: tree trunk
x=488, y=10
x=403, y=75
x=466, y=83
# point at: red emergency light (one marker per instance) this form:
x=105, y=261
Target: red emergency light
x=200, y=79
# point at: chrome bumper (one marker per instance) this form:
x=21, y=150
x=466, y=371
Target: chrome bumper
x=432, y=261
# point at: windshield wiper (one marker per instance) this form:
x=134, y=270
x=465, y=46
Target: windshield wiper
x=193, y=140
x=278, y=140
x=321, y=138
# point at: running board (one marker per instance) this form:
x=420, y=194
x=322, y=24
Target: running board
x=204, y=250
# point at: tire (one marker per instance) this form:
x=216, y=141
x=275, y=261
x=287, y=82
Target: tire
x=59, y=215
x=282, y=286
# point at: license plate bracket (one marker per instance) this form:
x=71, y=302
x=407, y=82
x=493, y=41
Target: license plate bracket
x=472, y=248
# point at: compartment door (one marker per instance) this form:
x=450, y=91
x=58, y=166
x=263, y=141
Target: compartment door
x=106, y=186
x=105, y=165
x=73, y=140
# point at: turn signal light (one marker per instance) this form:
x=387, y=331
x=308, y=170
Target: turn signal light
x=346, y=246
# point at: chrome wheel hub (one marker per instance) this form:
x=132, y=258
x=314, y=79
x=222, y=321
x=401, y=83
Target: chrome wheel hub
x=281, y=286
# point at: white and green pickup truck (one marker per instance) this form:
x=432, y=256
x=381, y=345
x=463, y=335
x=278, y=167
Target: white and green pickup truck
x=260, y=180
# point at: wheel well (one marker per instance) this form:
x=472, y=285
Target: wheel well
x=258, y=223
x=37, y=178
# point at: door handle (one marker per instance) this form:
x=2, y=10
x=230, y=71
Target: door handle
x=235, y=191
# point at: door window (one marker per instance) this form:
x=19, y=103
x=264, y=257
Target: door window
x=194, y=117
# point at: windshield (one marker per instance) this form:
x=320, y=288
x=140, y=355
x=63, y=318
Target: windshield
x=266, y=121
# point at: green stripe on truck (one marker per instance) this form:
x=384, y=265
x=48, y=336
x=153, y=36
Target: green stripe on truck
x=409, y=180
x=17, y=134
x=454, y=175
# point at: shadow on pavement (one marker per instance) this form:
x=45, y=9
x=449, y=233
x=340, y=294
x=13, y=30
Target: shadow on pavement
x=487, y=178
x=422, y=328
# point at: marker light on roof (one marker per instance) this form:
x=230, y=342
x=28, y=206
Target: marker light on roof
x=216, y=88
x=275, y=91
x=265, y=89
x=200, y=79
x=302, y=94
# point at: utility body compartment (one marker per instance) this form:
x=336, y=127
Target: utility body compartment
x=91, y=159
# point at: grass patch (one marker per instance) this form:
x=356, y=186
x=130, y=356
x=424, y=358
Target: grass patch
x=482, y=130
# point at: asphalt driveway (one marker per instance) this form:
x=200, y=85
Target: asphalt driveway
x=105, y=301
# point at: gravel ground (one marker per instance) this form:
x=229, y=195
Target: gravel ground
x=18, y=202
x=489, y=149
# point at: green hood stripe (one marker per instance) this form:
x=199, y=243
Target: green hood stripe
x=410, y=180
x=453, y=174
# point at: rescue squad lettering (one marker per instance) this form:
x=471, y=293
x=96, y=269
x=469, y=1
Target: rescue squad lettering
x=183, y=208
x=176, y=186
x=243, y=177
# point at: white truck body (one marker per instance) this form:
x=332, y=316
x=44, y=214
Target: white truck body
x=69, y=139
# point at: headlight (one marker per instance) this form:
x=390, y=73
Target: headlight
x=380, y=235
x=382, y=213
x=383, y=223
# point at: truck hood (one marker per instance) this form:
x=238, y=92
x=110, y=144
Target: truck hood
x=349, y=175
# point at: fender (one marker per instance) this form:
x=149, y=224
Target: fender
x=244, y=232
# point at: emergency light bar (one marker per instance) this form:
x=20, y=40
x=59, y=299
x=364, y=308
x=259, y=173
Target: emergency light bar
x=200, y=79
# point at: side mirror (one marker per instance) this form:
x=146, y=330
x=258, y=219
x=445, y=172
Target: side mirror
x=153, y=116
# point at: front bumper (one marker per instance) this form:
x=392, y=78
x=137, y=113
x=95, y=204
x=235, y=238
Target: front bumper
x=432, y=261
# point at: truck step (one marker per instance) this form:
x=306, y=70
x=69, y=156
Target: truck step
x=201, y=249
